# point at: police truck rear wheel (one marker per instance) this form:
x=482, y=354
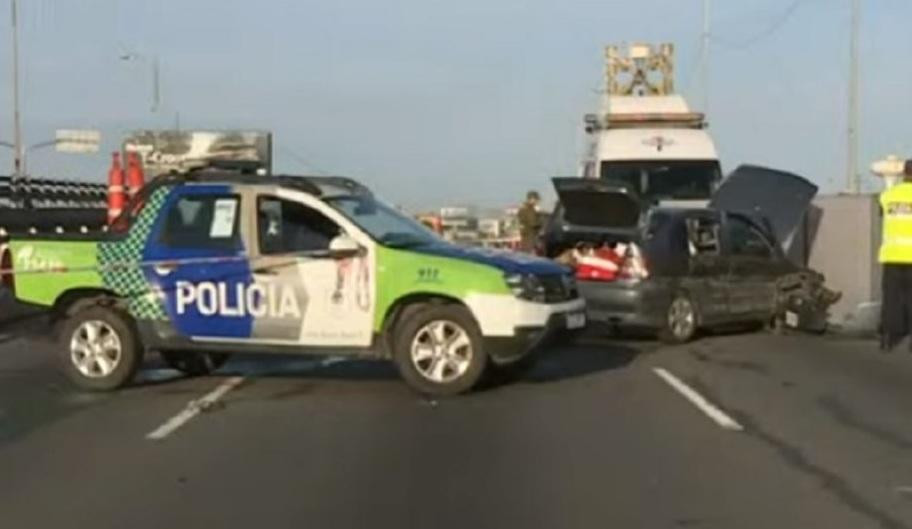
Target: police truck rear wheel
x=438, y=350
x=194, y=363
x=99, y=348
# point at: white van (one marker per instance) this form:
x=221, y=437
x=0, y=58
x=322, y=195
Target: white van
x=655, y=145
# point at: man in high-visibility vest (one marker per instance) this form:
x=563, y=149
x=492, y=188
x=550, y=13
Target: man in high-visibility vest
x=896, y=259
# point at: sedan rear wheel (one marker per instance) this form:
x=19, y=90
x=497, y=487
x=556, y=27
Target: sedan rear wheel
x=680, y=321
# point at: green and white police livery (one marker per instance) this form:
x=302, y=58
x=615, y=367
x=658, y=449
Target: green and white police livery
x=213, y=263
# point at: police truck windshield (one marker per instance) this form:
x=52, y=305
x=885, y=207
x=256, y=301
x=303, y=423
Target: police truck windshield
x=666, y=179
x=382, y=222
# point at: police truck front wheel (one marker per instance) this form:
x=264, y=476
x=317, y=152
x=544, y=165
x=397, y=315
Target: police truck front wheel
x=438, y=350
x=99, y=348
x=194, y=363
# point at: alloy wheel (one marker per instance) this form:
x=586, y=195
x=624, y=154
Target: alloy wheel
x=441, y=351
x=95, y=349
x=681, y=318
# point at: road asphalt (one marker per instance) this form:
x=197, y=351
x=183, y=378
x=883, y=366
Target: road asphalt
x=591, y=437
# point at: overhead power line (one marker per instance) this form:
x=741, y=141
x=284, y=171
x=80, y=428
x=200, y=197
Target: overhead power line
x=775, y=24
x=301, y=160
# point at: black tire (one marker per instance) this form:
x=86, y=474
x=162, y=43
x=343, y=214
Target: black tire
x=91, y=364
x=471, y=358
x=194, y=363
x=681, y=320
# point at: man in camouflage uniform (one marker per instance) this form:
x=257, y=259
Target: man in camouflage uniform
x=530, y=222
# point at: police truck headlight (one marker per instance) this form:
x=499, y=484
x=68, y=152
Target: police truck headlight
x=526, y=286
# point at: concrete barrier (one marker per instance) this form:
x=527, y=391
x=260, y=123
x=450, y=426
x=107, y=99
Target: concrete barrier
x=840, y=238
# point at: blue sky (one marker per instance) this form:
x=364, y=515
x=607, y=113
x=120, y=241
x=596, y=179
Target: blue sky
x=435, y=102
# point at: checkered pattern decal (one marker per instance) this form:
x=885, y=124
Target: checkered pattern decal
x=129, y=281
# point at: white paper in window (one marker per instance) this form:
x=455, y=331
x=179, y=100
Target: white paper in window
x=223, y=218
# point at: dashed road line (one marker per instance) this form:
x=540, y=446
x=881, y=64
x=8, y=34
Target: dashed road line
x=708, y=408
x=193, y=408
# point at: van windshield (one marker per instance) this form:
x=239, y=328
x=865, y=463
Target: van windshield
x=666, y=179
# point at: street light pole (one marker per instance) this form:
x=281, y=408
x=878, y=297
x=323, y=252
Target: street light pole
x=17, y=125
x=704, y=55
x=156, y=81
x=156, y=85
x=852, y=177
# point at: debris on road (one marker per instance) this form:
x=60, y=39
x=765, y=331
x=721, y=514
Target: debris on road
x=803, y=301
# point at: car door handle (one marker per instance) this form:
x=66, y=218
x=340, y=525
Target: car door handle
x=164, y=268
x=266, y=271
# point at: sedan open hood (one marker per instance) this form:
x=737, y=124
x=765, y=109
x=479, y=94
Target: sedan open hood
x=599, y=204
x=779, y=197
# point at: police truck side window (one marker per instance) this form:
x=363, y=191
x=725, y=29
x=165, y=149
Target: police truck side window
x=202, y=221
x=285, y=226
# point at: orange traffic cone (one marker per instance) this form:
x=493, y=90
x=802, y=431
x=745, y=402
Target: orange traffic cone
x=116, y=196
x=135, y=178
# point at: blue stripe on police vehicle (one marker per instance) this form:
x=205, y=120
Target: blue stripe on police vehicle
x=216, y=299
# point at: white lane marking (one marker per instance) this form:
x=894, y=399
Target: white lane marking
x=710, y=409
x=194, y=407
x=903, y=490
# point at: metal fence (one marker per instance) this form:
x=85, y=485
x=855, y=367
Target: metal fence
x=49, y=205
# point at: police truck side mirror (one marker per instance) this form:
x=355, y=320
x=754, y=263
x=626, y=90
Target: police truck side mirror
x=343, y=246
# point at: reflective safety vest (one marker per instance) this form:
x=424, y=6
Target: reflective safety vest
x=896, y=205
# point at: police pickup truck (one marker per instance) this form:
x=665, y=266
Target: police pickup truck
x=210, y=263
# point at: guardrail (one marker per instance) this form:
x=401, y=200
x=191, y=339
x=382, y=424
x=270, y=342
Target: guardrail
x=49, y=205
x=43, y=192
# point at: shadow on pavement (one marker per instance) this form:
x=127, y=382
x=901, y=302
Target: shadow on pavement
x=18, y=320
x=31, y=325
x=552, y=364
x=579, y=360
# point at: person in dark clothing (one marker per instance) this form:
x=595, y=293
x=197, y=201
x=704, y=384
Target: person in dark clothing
x=896, y=312
x=530, y=223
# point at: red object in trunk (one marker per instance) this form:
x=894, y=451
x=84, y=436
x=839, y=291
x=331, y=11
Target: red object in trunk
x=611, y=264
x=116, y=198
x=602, y=264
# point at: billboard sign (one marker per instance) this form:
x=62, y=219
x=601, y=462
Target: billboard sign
x=77, y=141
x=179, y=151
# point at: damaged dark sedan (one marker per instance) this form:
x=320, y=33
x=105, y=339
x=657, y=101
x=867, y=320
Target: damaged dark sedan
x=677, y=270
